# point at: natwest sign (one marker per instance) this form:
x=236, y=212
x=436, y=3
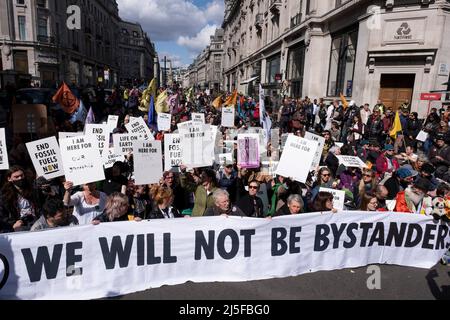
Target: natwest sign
x=431, y=96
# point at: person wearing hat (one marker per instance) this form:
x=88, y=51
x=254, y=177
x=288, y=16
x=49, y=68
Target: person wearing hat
x=400, y=180
x=427, y=171
x=380, y=107
x=406, y=106
x=414, y=199
x=386, y=162
x=363, y=149
x=440, y=157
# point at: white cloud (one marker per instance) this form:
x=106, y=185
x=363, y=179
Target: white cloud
x=167, y=20
x=176, y=60
x=199, y=41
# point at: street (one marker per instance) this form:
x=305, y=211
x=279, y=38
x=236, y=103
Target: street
x=397, y=283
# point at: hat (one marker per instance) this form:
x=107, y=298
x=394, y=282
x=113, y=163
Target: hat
x=363, y=142
x=410, y=168
x=404, y=173
x=440, y=136
x=388, y=147
x=428, y=168
x=423, y=184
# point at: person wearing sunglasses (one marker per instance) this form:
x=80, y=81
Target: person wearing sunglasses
x=251, y=204
x=324, y=180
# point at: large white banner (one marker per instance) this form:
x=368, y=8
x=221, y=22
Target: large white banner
x=117, y=258
x=4, y=163
x=172, y=151
x=46, y=157
x=296, y=159
x=147, y=159
x=81, y=160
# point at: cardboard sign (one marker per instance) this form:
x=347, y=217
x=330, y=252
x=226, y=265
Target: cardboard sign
x=164, y=121
x=197, y=145
x=275, y=145
x=30, y=118
x=147, y=159
x=338, y=197
x=112, y=122
x=228, y=117
x=173, y=154
x=101, y=133
x=110, y=157
x=297, y=158
x=4, y=163
x=198, y=118
x=81, y=160
x=318, y=155
x=123, y=143
x=351, y=161
x=137, y=126
x=225, y=159
x=248, y=151
x=422, y=136
x=46, y=158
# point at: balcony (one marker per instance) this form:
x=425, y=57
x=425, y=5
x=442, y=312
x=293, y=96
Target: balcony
x=46, y=39
x=259, y=20
x=275, y=6
x=295, y=20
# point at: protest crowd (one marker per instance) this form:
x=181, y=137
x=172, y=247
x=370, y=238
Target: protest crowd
x=366, y=158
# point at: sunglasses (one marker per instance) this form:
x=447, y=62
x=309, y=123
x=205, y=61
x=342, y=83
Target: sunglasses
x=326, y=175
x=253, y=187
x=368, y=175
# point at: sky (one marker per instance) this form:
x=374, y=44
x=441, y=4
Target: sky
x=180, y=29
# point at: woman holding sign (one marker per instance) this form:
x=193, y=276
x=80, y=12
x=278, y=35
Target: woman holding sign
x=323, y=202
x=87, y=204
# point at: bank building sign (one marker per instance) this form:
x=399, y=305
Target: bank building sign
x=404, y=32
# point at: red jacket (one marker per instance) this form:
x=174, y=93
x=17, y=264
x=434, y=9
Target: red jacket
x=401, y=205
x=382, y=164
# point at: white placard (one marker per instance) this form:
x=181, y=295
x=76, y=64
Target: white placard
x=351, y=161
x=225, y=159
x=318, y=155
x=110, y=157
x=81, y=160
x=116, y=259
x=65, y=135
x=147, y=159
x=4, y=163
x=112, y=122
x=197, y=145
x=338, y=197
x=228, y=117
x=123, y=143
x=164, y=121
x=339, y=144
x=422, y=136
x=46, y=157
x=173, y=155
x=137, y=126
x=101, y=133
x=297, y=158
x=198, y=118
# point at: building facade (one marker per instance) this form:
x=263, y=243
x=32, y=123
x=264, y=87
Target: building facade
x=136, y=54
x=392, y=50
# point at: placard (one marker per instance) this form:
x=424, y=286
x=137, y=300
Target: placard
x=81, y=160
x=318, y=155
x=228, y=117
x=65, y=135
x=137, y=126
x=225, y=159
x=198, y=118
x=112, y=122
x=248, y=151
x=164, y=121
x=110, y=157
x=123, y=143
x=351, y=161
x=297, y=158
x=101, y=133
x=422, y=136
x=173, y=154
x=147, y=159
x=338, y=197
x=46, y=157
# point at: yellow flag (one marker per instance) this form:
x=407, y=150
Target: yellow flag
x=397, y=126
x=152, y=88
x=161, y=105
x=217, y=103
x=232, y=100
x=344, y=101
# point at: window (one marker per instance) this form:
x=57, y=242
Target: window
x=296, y=67
x=272, y=68
x=135, y=34
x=22, y=2
x=41, y=3
x=42, y=27
x=22, y=33
x=124, y=31
x=342, y=63
x=21, y=61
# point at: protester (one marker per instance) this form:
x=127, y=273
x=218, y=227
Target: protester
x=323, y=202
x=163, y=198
x=54, y=215
x=222, y=205
x=116, y=209
x=251, y=204
x=294, y=205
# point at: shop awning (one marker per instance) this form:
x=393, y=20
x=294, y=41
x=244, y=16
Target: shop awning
x=249, y=80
